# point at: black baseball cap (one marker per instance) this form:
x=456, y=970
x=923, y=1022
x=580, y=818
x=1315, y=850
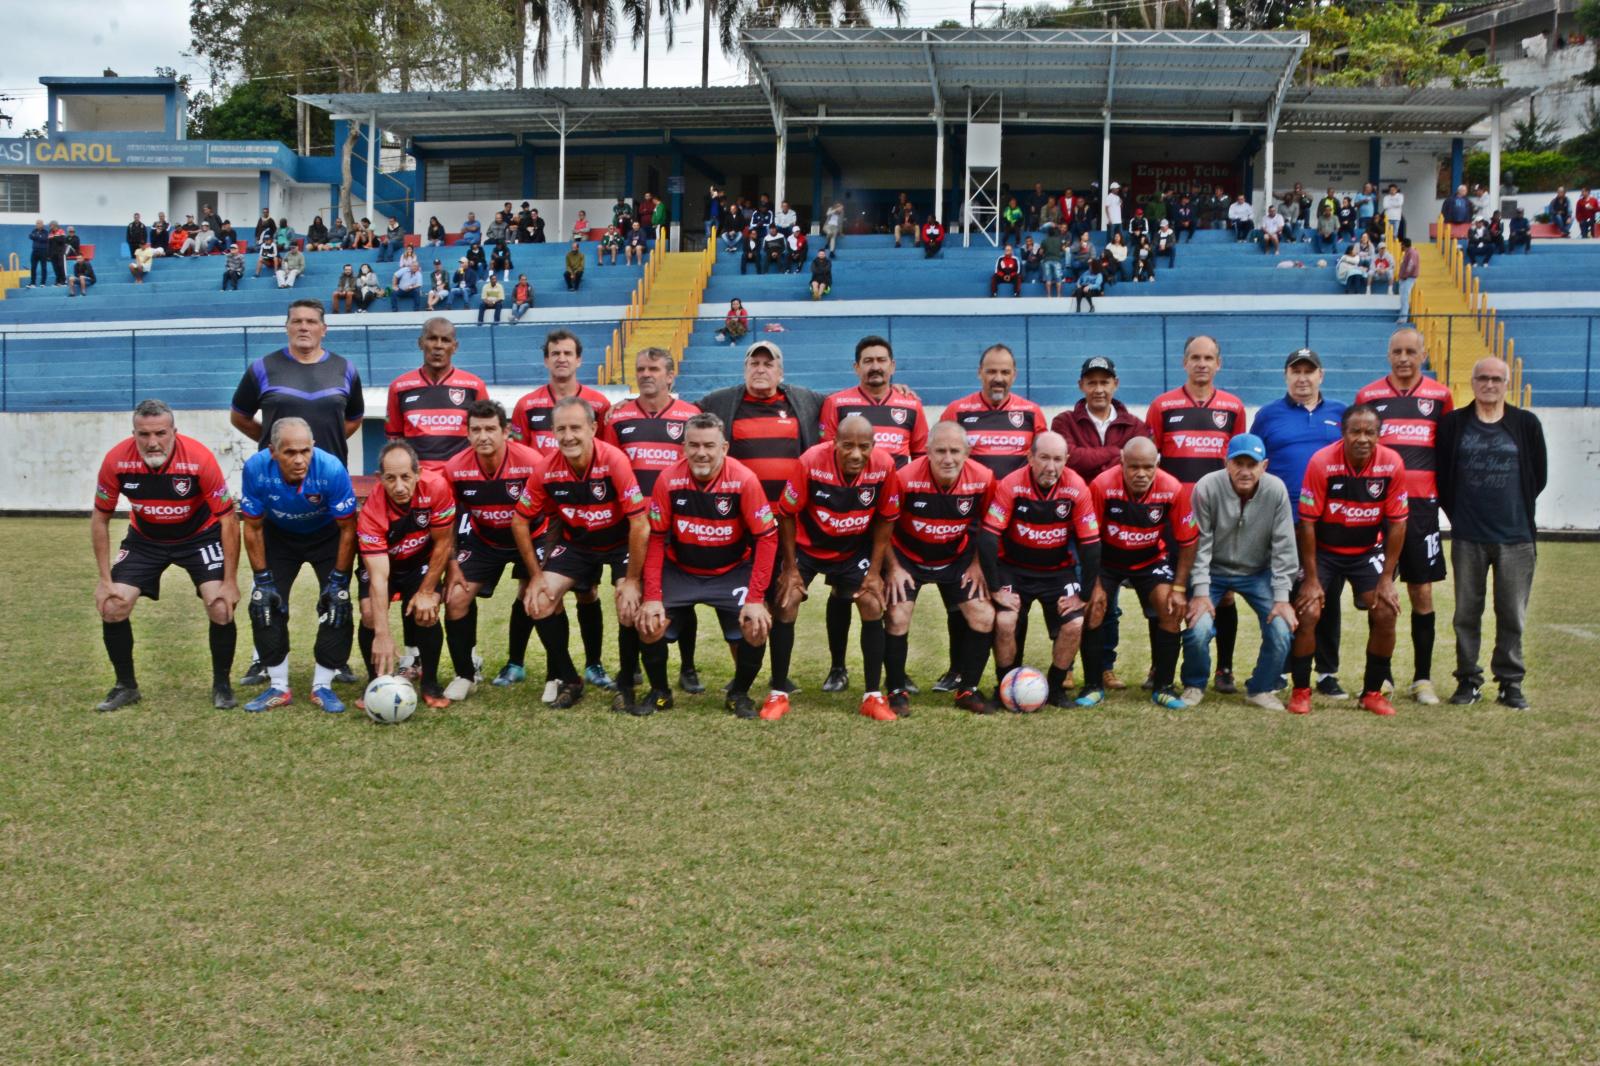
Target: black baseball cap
x=1098, y=362
x=1303, y=355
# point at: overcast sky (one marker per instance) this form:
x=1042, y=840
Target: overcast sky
x=133, y=37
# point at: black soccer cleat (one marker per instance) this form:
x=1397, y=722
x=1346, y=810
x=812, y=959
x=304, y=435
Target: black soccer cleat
x=740, y=705
x=1466, y=692
x=912, y=689
x=1328, y=687
x=900, y=703
x=837, y=681
x=1224, y=683
x=655, y=700
x=346, y=676
x=976, y=702
x=689, y=681
x=622, y=699
x=1511, y=696
x=222, y=696
x=1062, y=697
x=255, y=675
x=949, y=682
x=119, y=697
x=567, y=695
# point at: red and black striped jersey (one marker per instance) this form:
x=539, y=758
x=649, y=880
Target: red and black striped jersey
x=405, y=534
x=1035, y=525
x=999, y=436
x=530, y=419
x=710, y=527
x=1193, y=436
x=1410, y=425
x=594, y=507
x=185, y=496
x=899, y=426
x=765, y=436
x=1350, y=507
x=652, y=442
x=1137, y=534
x=432, y=415
x=489, y=497
x=833, y=515
x=937, y=524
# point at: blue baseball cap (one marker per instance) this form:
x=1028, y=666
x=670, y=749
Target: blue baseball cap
x=1248, y=446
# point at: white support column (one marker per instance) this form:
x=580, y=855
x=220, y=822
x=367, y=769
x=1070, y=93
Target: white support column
x=938, y=168
x=781, y=168
x=372, y=169
x=1266, y=170
x=1105, y=166
x=1494, y=159
x=966, y=184
x=561, y=181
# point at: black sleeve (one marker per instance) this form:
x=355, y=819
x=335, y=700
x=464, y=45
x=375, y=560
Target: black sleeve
x=1089, y=566
x=247, y=397
x=989, y=557
x=1537, y=455
x=355, y=404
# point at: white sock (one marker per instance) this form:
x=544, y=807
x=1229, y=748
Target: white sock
x=279, y=674
x=322, y=676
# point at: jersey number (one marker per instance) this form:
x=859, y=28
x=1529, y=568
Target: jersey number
x=211, y=554
x=740, y=593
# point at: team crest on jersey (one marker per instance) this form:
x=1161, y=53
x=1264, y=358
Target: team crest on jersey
x=1374, y=489
x=314, y=498
x=1220, y=419
x=964, y=506
x=422, y=518
x=724, y=505
x=1062, y=509
x=598, y=488
x=866, y=496
x=674, y=430
x=182, y=485
x=458, y=396
x=1017, y=418
x=1155, y=514
x=1425, y=407
x=899, y=415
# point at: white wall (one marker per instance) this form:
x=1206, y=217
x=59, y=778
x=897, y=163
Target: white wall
x=1320, y=161
x=454, y=212
x=181, y=198
x=301, y=203
x=97, y=197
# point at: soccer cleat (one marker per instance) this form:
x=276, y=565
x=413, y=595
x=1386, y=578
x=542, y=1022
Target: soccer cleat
x=786, y=686
x=657, y=699
x=1192, y=695
x=272, y=697
x=595, y=674
x=1422, y=692
x=776, y=707
x=1223, y=682
x=975, y=701
x=552, y=689
x=1110, y=680
x=1267, y=701
x=689, y=681
x=912, y=689
x=1300, y=701
x=1168, y=698
x=256, y=674
x=510, y=674
x=950, y=681
x=740, y=705
x=1466, y=692
x=1377, y=703
x=622, y=699
x=838, y=680
x=1328, y=685
x=433, y=696
x=1090, y=697
x=324, y=697
x=119, y=697
x=874, y=706
x=346, y=676
x=222, y=696
x=1149, y=682
x=1062, y=697
x=1511, y=696
x=568, y=693
x=900, y=703
x=410, y=665
x=460, y=688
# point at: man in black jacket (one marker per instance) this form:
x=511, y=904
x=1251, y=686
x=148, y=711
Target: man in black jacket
x=1492, y=467
x=138, y=233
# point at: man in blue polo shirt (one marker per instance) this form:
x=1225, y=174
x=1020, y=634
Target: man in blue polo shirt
x=1293, y=429
x=299, y=507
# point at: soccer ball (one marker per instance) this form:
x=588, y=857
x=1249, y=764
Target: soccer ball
x=1024, y=690
x=390, y=700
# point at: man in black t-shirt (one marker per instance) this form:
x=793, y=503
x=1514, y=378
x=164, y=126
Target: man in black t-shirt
x=303, y=380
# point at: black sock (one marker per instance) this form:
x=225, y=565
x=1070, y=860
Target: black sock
x=1094, y=645
x=521, y=630
x=554, y=634
x=1022, y=642
x=688, y=638
x=747, y=664
x=1227, y=633
x=1300, y=670
x=974, y=656
x=1422, y=642
x=872, y=640
x=430, y=644
x=1377, y=673
x=628, y=655
x=592, y=628
x=895, y=651
x=119, y=646
x=1057, y=675
x=955, y=628
x=838, y=614
x=364, y=638
x=781, y=641
x=224, y=638
x=655, y=665
x=462, y=636
x=1164, y=648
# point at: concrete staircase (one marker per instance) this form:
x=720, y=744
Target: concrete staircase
x=661, y=313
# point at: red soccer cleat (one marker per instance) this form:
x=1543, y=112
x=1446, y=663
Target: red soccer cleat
x=874, y=706
x=1377, y=703
x=437, y=702
x=1300, y=701
x=776, y=707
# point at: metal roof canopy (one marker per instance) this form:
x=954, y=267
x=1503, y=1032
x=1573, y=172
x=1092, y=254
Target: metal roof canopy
x=1396, y=111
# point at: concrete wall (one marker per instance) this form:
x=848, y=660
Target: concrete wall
x=454, y=212
x=97, y=197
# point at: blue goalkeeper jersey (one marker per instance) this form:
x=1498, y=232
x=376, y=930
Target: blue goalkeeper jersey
x=324, y=495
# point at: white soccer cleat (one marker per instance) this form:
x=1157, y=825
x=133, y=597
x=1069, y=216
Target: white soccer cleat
x=552, y=689
x=1192, y=696
x=1422, y=692
x=459, y=689
x=1267, y=701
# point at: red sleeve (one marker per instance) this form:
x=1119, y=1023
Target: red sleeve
x=519, y=418
x=758, y=517
x=1184, y=525
x=919, y=435
x=761, y=566
x=627, y=487
x=829, y=419
x=1241, y=425
x=998, y=515
x=1152, y=421
x=392, y=426
x=889, y=496
x=106, y=487
x=1398, y=506
x=215, y=486
x=1447, y=402
x=607, y=432
x=372, y=530
x=654, y=556
x=445, y=514
x=948, y=414
x=660, y=507
x=1313, y=490
x=602, y=407
x=797, y=493
x=533, y=501
x=1085, y=515
x=1039, y=424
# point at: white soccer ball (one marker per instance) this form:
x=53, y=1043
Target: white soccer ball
x=390, y=700
x=1024, y=690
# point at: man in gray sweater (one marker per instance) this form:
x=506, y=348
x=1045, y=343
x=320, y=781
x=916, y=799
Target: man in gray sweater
x=1246, y=547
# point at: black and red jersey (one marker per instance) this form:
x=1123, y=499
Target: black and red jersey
x=1350, y=507
x=999, y=436
x=1193, y=436
x=1409, y=423
x=1036, y=525
x=184, y=497
x=405, y=534
x=432, y=415
x=834, y=514
x=937, y=524
x=765, y=436
x=594, y=507
x=711, y=527
x=652, y=442
x=1137, y=535
x=489, y=497
x=530, y=419
x=899, y=426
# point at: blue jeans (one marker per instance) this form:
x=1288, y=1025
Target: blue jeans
x=387, y=251
x=413, y=296
x=1256, y=590
x=1406, y=285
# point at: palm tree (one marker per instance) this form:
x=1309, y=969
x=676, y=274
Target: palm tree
x=534, y=16
x=735, y=16
x=640, y=13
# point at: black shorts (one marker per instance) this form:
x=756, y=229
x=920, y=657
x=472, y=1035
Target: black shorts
x=140, y=561
x=1142, y=582
x=681, y=592
x=1422, y=552
x=288, y=551
x=1361, y=571
x=1045, y=587
x=946, y=578
x=840, y=573
x=484, y=564
x=586, y=567
x=403, y=584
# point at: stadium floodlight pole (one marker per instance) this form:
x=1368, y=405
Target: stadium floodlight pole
x=1494, y=158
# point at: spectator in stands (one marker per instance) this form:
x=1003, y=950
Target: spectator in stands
x=160, y=233
x=633, y=248
x=290, y=267
x=1242, y=217
x=1289, y=210
x=143, y=256
x=821, y=275
x=500, y=263
x=1184, y=219
x=463, y=285
x=1325, y=234
x=1050, y=212
x=136, y=234
x=784, y=218
x=82, y=277
x=226, y=237
x=438, y=289
x=1480, y=249
x=472, y=229
x=232, y=268
x=317, y=235
x=1113, y=208
x=1083, y=218
x=267, y=258
x=1271, y=230
x=1481, y=207
x=1035, y=206
x=1560, y=211
x=1166, y=243
x=932, y=237
x=344, y=291
x=1457, y=207
x=1115, y=265
x=1382, y=269
x=492, y=298
x=1053, y=259
x=1083, y=254
x=736, y=323
x=521, y=298
x=1521, y=234
x=1351, y=271
x=535, y=227
x=733, y=226
x=1144, y=260
x=761, y=216
x=497, y=233
x=1031, y=256
x=832, y=226
x=1007, y=271
x=477, y=266
x=774, y=248
x=1585, y=210
x=390, y=244
x=266, y=228
x=580, y=227
x=751, y=245
x=435, y=232
x=1091, y=283
x=573, y=274
x=610, y=242
x=406, y=285
x=1138, y=226
x=713, y=209
x=1366, y=202
x=1348, y=219
x=363, y=238
x=797, y=251
x=205, y=240
x=368, y=288
x=1012, y=221
x=285, y=234
x=1409, y=270
x=1394, y=209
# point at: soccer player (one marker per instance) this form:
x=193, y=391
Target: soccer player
x=1038, y=514
x=180, y=514
x=713, y=540
x=1000, y=428
x=486, y=480
x=899, y=428
x=1192, y=426
x=1411, y=405
x=649, y=428
x=299, y=507
x=1148, y=537
x=428, y=405
x=943, y=498
x=532, y=423
x=405, y=533
x=835, y=518
x=1352, y=528
x=588, y=487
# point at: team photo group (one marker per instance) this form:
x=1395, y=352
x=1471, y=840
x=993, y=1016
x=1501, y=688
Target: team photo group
x=739, y=501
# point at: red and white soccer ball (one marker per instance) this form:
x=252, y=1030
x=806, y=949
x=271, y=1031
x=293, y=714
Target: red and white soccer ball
x=1024, y=690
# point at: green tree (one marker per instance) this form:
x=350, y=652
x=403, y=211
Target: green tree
x=1385, y=45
